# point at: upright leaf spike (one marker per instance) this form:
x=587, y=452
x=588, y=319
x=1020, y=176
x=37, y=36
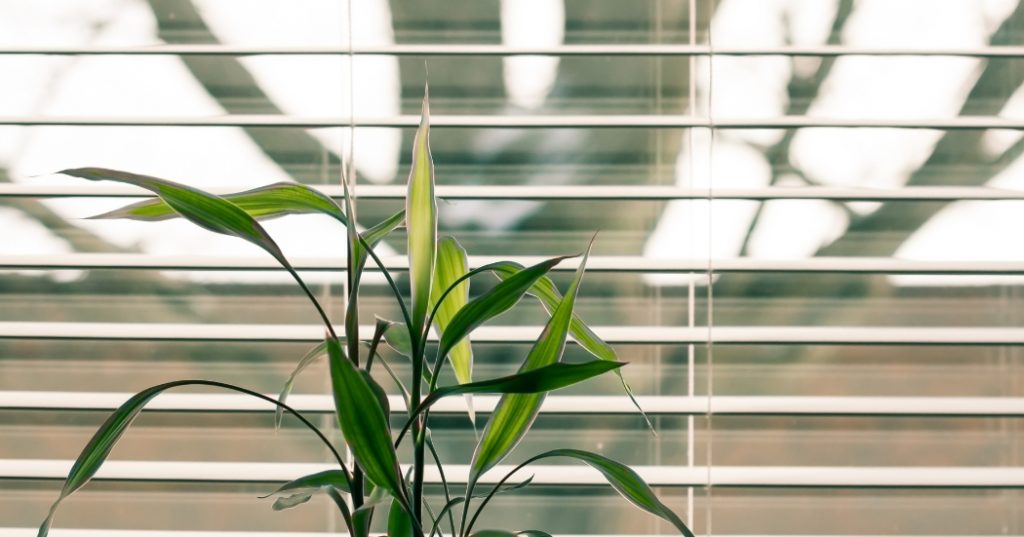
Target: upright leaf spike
x=515, y=413
x=452, y=265
x=421, y=221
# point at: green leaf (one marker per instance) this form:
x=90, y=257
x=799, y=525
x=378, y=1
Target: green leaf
x=364, y=422
x=355, y=271
x=399, y=522
x=361, y=519
x=294, y=500
x=208, y=212
x=548, y=294
x=492, y=303
x=262, y=203
x=543, y=379
x=311, y=356
x=327, y=479
x=326, y=482
x=624, y=480
x=110, y=432
x=452, y=265
x=397, y=337
x=421, y=221
x=515, y=413
x=203, y=209
x=375, y=234
x=545, y=291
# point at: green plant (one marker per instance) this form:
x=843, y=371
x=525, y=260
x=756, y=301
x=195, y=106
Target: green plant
x=439, y=290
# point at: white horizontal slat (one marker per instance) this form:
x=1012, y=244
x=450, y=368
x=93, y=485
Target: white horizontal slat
x=552, y=474
x=77, y=532
x=638, y=335
x=652, y=49
x=574, y=193
x=633, y=264
x=554, y=404
x=520, y=122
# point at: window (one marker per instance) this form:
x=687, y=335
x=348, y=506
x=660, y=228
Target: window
x=807, y=250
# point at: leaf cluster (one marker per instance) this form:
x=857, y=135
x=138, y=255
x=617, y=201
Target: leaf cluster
x=439, y=300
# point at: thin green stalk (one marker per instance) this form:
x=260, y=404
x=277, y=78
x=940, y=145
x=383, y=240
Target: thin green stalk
x=466, y=529
x=394, y=288
x=418, y=428
x=444, y=483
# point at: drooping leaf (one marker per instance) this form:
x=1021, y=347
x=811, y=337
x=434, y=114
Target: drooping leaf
x=203, y=209
x=329, y=478
x=515, y=413
x=490, y=304
x=452, y=264
x=399, y=522
x=311, y=356
x=364, y=423
x=110, y=432
x=543, y=379
x=262, y=203
x=549, y=297
x=293, y=500
x=421, y=221
x=624, y=480
x=208, y=212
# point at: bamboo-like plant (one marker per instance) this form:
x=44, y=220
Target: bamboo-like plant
x=439, y=291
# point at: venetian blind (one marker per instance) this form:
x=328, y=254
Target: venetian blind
x=807, y=250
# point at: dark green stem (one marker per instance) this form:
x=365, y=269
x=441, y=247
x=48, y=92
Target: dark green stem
x=418, y=428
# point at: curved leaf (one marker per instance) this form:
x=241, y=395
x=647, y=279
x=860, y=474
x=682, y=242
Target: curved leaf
x=201, y=208
x=311, y=356
x=364, y=422
x=492, y=303
x=543, y=379
x=208, y=212
x=328, y=478
x=515, y=413
x=262, y=203
x=546, y=292
x=106, y=437
x=421, y=221
x=625, y=481
x=307, y=487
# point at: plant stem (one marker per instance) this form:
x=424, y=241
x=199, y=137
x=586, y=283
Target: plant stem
x=418, y=427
